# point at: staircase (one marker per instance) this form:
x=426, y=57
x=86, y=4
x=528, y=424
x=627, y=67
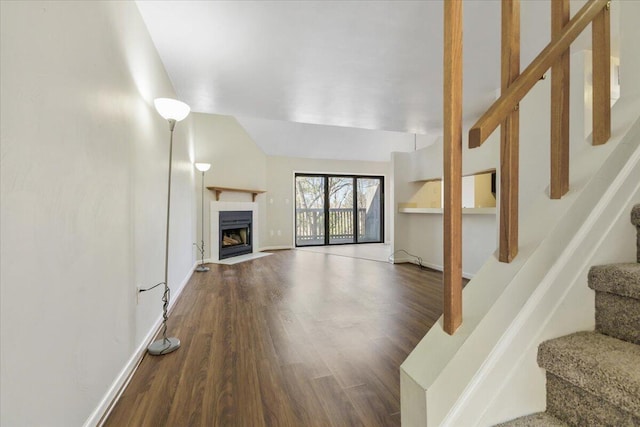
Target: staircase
x=593, y=378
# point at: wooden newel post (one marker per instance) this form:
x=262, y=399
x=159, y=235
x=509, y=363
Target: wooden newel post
x=452, y=123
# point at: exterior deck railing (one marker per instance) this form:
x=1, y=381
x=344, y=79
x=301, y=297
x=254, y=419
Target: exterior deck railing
x=310, y=226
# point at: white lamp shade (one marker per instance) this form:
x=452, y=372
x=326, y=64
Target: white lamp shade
x=172, y=109
x=203, y=167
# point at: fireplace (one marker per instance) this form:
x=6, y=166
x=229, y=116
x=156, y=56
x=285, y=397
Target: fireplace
x=235, y=233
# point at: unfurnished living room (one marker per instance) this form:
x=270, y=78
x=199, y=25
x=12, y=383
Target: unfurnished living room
x=319, y=213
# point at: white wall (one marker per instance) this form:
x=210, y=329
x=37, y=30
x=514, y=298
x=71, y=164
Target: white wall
x=468, y=191
x=424, y=239
x=236, y=162
x=280, y=195
x=426, y=163
x=629, y=58
x=421, y=234
x=329, y=142
x=83, y=201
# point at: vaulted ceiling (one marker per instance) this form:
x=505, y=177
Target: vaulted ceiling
x=373, y=65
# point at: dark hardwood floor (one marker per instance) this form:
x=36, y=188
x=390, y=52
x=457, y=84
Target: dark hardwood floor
x=292, y=339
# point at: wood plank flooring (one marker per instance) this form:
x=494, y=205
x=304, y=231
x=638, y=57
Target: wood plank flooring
x=292, y=339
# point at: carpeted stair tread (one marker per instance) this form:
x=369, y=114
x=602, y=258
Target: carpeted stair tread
x=578, y=407
x=602, y=365
x=619, y=279
x=539, y=419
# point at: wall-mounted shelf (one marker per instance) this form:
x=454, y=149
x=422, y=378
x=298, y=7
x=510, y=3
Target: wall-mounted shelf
x=219, y=190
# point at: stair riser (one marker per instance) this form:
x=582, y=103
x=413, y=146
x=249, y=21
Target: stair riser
x=578, y=407
x=638, y=243
x=540, y=419
x=635, y=220
x=618, y=316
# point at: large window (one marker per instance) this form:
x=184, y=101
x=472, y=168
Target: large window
x=339, y=209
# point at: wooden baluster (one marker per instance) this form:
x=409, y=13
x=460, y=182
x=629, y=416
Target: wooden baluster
x=601, y=77
x=452, y=165
x=559, y=186
x=509, y=134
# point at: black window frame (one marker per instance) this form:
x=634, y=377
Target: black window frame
x=327, y=236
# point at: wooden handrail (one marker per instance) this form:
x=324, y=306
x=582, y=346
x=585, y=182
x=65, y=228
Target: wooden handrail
x=509, y=100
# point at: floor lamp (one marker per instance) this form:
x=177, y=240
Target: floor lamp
x=202, y=167
x=173, y=111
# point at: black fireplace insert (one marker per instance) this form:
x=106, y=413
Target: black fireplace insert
x=235, y=233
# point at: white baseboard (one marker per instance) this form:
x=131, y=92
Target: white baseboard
x=275, y=248
x=427, y=264
x=100, y=414
x=266, y=248
x=398, y=260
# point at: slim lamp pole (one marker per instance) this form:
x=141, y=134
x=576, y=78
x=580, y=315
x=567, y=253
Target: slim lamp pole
x=202, y=227
x=202, y=167
x=173, y=111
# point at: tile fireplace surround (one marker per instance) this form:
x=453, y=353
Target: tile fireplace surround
x=214, y=224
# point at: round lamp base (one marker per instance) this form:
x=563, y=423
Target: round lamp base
x=201, y=268
x=163, y=346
